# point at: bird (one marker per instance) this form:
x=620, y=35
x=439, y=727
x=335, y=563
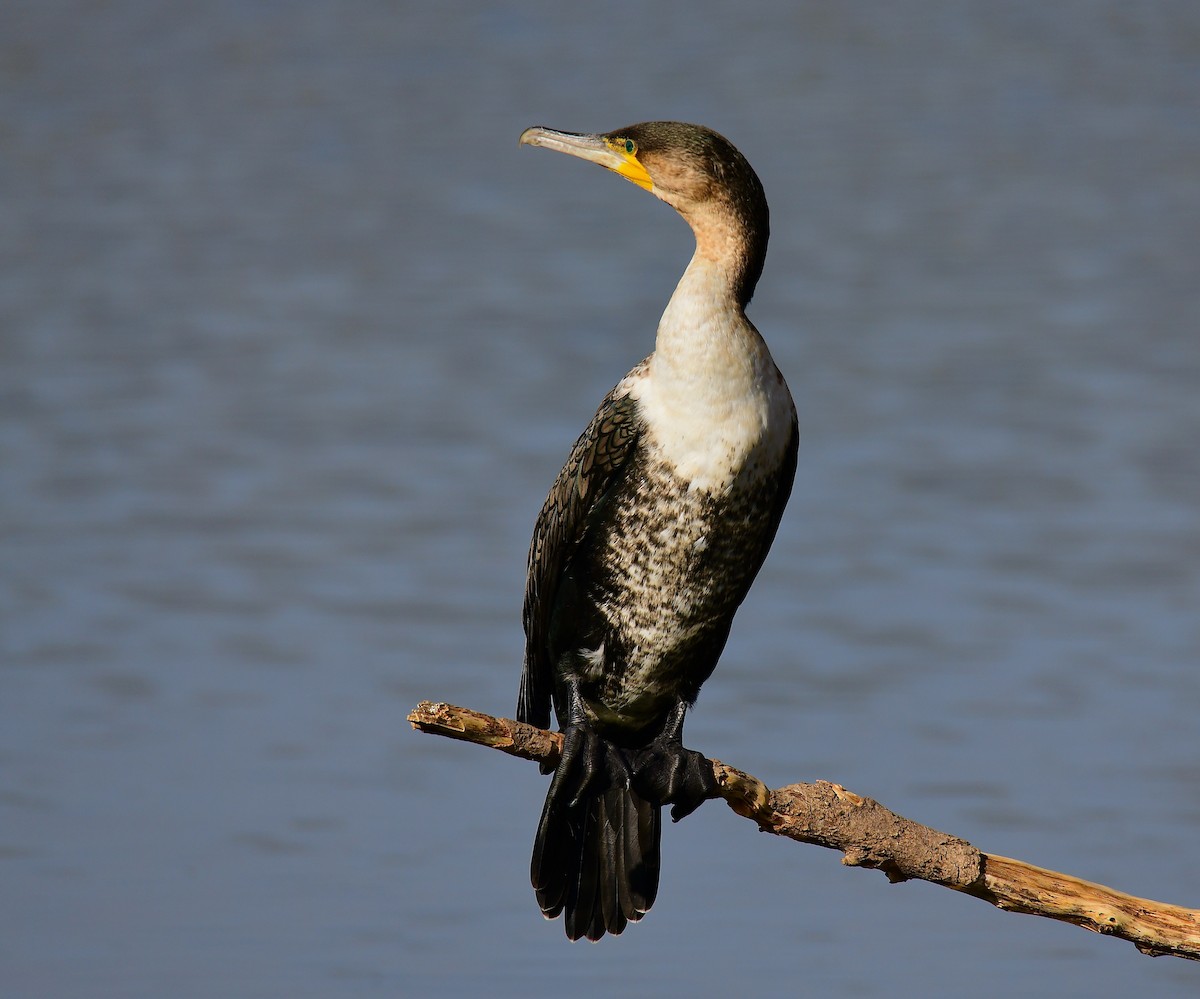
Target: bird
x=650, y=538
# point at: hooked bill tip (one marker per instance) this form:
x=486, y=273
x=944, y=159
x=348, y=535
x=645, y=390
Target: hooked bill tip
x=531, y=136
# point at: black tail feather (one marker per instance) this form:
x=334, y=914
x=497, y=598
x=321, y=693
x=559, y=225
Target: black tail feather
x=597, y=860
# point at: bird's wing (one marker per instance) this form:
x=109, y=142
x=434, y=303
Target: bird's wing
x=596, y=463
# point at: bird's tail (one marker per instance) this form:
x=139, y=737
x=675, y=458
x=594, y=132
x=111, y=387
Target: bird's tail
x=597, y=859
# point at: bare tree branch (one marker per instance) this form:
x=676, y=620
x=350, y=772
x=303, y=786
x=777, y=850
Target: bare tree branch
x=870, y=835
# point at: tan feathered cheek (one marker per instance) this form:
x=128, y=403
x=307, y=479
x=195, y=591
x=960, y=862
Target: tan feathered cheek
x=673, y=178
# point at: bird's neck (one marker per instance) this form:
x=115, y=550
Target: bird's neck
x=709, y=393
x=731, y=240
x=705, y=343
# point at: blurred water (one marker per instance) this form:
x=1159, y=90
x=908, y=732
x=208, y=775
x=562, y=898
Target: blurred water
x=293, y=338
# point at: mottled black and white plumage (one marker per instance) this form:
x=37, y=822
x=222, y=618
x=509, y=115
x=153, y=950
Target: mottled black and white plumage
x=651, y=536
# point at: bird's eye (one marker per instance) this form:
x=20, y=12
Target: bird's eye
x=630, y=146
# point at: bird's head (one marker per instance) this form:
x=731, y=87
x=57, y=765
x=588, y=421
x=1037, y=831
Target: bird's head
x=695, y=170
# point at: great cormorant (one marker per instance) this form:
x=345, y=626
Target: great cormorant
x=651, y=536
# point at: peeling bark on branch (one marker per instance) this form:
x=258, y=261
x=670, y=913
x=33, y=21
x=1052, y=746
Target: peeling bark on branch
x=869, y=835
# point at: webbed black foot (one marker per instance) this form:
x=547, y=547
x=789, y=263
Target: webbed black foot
x=667, y=774
x=590, y=765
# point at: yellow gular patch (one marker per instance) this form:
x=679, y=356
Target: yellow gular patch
x=629, y=166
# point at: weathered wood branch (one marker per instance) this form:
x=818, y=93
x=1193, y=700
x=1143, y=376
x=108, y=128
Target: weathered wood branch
x=869, y=835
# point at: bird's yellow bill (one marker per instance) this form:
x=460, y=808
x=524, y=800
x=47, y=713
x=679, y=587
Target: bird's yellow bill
x=609, y=152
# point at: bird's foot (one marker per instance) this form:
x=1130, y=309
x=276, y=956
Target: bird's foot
x=667, y=774
x=590, y=765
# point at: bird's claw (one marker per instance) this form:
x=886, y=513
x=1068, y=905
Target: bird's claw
x=667, y=774
x=663, y=773
x=589, y=765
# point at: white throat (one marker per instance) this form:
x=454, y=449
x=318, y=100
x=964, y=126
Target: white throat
x=713, y=400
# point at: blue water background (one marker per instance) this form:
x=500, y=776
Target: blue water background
x=293, y=338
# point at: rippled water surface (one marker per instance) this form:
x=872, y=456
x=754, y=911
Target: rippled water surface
x=293, y=338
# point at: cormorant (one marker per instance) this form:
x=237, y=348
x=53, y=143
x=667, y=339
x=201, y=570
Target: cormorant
x=651, y=536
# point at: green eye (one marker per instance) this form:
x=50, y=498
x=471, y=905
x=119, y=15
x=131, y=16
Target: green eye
x=630, y=146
